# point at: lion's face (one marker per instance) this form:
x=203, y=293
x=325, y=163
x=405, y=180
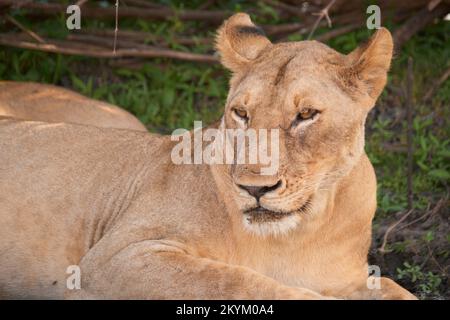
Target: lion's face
x=317, y=100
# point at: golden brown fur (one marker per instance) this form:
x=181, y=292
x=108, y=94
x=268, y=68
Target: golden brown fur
x=142, y=227
x=41, y=102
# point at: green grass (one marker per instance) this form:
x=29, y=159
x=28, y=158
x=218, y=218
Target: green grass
x=167, y=94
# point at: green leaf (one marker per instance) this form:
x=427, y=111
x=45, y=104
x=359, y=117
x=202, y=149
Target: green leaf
x=444, y=153
x=429, y=236
x=439, y=174
x=78, y=83
x=168, y=97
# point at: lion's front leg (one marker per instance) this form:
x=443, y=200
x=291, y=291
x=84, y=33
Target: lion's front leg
x=387, y=290
x=154, y=270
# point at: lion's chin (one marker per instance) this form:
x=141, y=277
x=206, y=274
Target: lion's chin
x=262, y=215
x=270, y=223
x=263, y=221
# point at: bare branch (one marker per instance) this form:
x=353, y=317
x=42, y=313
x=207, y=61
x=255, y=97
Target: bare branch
x=419, y=21
x=436, y=84
x=71, y=48
x=141, y=36
x=338, y=32
x=81, y=2
x=324, y=13
x=90, y=11
x=409, y=111
x=382, y=249
x=116, y=30
x=32, y=34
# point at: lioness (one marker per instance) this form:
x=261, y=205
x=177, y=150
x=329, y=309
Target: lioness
x=141, y=227
x=41, y=102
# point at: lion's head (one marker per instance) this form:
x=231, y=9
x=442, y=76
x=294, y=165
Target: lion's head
x=318, y=100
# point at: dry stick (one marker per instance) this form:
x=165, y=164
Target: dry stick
x=128, y=12
x=129, y=63
x=66, y=47
x=81, y=2
x=271, y=30
x=433, y=258
x=140, y=36
x=23, y=28
x=322, y=14
x=433, y=4
x=16, y=4
x=436, y=85
x=292, y=10
x=409, y=110
x=350, y=21
x=417, y=22
x=338, y=32
x=142, y=3
x=429, y=213
x=389, y=230
x=206, y=4
x=116, y=30
x=108, y=42
x=281, y=30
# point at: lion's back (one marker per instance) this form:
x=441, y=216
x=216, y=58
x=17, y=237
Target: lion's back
x=42, y=102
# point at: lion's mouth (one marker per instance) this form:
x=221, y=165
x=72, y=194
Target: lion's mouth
x=260, y=214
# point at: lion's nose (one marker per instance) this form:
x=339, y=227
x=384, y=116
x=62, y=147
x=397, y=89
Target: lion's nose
x=259, y=191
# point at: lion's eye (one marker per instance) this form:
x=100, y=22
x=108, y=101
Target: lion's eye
x=241, y=114
x=306, y=114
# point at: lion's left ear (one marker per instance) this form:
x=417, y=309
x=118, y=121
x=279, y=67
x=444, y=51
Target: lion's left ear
x=370, y=63
x=239, y=42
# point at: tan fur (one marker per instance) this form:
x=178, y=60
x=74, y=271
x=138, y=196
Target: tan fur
x=40, y=102
x=142, y=227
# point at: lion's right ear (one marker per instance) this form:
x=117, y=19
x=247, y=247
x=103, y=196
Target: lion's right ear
x=371, y=61
x=239, y=42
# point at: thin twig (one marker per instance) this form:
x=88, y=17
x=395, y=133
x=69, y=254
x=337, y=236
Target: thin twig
x=71, y=48
x=164, y=13
x=205, y=5
x=433, y=4
x=291, y=10
x=409, y=111
x=24, y=29
x=382, y=249
x=140, y=36
x=108, y=42
x=436, y=84
x=116, y=30
x=417, y=22
x=142, y=3
x=81, y=2
x=338, y=32
x=322, y=14
x=429, y=213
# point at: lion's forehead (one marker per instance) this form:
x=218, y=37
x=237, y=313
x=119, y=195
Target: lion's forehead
x=304, y=54
x=304, y=84
x=283, y=73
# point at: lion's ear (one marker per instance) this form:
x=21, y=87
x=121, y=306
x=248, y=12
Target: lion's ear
x=370, y=62
x=239, y=41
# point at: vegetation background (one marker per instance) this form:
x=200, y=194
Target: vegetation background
x=167, y=93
